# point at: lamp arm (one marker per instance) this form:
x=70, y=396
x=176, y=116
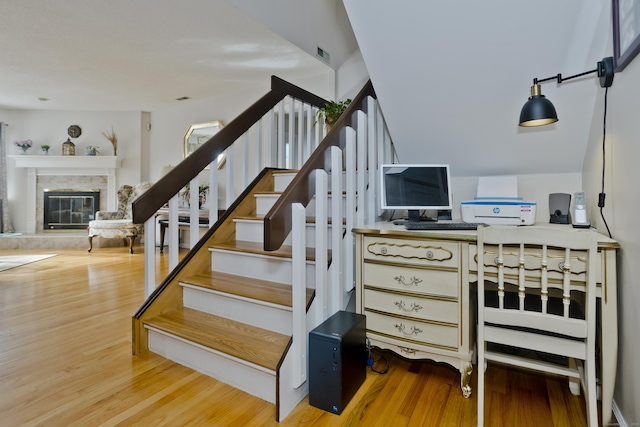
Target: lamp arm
x=605, y=72
x=561, y=79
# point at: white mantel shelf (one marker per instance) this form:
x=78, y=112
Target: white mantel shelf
x=67, y=162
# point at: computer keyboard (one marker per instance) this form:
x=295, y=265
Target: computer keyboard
x=433, y=225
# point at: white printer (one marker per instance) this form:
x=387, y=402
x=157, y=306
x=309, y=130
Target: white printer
x=497, y=203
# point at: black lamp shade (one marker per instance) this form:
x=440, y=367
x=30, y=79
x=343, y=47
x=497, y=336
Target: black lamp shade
x=538, y=110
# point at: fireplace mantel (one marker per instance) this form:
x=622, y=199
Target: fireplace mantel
x=67, y=162
x=66, y=166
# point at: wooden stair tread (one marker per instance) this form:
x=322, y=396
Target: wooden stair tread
x=248, y=287
x=285, y=251
x=249, y=343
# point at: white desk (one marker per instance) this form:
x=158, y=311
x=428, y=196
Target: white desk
x=390, y=258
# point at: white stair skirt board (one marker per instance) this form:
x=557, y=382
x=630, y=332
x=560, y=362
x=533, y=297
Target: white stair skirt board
x=252, y=230
x=273, y=269
x=289, y=395
x=276, y=318
x=250, y=378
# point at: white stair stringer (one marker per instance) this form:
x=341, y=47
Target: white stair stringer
x=250, y=378
x=271, y=268
x=274, y=317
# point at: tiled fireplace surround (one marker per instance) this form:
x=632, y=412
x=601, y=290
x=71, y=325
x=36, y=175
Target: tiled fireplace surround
x=77, y=172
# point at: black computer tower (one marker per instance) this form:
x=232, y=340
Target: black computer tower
x=337, y=361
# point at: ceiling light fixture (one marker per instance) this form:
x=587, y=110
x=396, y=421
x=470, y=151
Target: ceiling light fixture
x=182, y=98
x=539, y=111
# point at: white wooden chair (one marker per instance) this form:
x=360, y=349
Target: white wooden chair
x=537, y=293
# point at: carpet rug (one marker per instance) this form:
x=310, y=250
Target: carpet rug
x=12, y=261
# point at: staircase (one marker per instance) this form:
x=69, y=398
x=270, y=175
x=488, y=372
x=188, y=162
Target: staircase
x=240, y=313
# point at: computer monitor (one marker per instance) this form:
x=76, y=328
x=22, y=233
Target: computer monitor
x=415, y=188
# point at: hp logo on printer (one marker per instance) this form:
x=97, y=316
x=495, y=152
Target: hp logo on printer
x=496, y=210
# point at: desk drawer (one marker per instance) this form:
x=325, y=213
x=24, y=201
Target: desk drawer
x=411, y=306
x=431, y=253
x=413, y=330
x=411, y=280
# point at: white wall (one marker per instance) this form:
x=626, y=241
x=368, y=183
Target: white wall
x=622, y=205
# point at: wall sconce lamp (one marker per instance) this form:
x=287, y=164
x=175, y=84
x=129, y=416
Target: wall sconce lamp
x=539, y=111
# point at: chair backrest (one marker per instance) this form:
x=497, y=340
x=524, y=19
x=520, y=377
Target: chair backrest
x=544, y=278
x=126, y=195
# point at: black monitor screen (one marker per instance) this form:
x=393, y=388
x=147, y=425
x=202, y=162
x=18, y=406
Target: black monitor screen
x=416, y=187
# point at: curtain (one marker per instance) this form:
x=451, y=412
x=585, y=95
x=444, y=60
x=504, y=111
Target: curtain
x=7, y=226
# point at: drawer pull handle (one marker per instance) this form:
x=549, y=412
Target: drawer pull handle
x=412, y=281
x=407, y=350
x=429, y=254
x=413, y=331
x=414, y=306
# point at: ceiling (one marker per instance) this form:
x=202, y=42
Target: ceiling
x=123, y=55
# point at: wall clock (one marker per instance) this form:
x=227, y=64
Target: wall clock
x=74, y=131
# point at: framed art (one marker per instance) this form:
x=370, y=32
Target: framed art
x=626, y=31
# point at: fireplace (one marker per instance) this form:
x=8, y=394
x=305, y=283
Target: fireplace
x=66, y=172
x=69, y=209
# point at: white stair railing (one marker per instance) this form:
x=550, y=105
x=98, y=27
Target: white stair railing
x=263, y=145
x=361, y=153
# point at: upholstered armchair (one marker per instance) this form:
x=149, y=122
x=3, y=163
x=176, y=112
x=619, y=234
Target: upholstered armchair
x=118, y=224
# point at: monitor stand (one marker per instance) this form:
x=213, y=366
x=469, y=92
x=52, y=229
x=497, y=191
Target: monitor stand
x=414, y=216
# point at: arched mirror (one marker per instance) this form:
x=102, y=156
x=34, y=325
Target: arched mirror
x=198, y=134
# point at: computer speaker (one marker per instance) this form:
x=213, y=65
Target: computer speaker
x=559, y=205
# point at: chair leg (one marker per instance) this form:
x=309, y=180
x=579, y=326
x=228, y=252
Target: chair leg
x=132, y=240
x=90, y=243
x=574, y=383
x=590, y=391
x=163, y=229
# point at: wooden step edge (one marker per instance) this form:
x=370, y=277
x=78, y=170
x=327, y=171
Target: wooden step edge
x=275, y=293
x=251, y=344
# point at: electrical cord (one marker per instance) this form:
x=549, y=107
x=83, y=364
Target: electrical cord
x=601, y=196
x=372, y=363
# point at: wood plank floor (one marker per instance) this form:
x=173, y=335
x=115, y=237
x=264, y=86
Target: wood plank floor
x=65, y=360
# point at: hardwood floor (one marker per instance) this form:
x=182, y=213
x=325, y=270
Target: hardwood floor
x=65, y=360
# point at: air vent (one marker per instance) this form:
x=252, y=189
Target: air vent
x=323, y=54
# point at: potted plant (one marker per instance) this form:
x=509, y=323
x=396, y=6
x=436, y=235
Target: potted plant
x=331, y=111
x=91, y=150
x=45, y=149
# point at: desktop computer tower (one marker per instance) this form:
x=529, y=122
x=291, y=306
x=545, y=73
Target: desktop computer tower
x=337, y=361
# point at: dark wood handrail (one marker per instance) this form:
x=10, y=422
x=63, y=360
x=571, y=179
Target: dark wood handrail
x=277, y=222
x=154, y=198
